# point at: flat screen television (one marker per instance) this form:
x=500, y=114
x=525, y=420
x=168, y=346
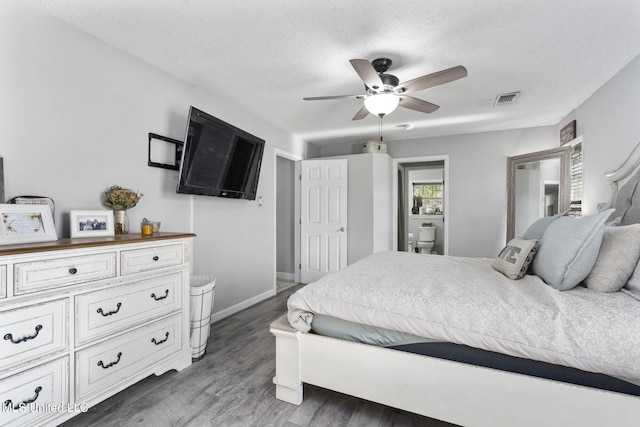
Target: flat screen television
x=218, y=159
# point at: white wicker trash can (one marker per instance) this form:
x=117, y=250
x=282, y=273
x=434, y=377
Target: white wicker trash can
x=202, y=293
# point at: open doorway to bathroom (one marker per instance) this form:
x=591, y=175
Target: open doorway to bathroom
x=422, y=201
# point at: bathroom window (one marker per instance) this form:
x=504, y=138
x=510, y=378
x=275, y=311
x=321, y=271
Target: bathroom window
x=431, y=194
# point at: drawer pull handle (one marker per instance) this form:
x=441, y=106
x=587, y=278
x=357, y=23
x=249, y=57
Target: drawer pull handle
x=111, y=312
x=73, y=270
x=156, y=258
x=166, y=337
x=25, y=338
x=166, y=294
x=101, y=364
x=9, y=402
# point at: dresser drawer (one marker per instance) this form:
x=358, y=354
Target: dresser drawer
x=119, y=359
x=137, y=260
x=57, y=272
x=31, y=332
x=3, y=281
x=37, y=390
x=110, y=310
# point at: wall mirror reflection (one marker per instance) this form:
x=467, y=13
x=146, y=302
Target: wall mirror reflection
x=538, y=186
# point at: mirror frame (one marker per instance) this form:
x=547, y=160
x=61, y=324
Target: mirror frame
x=564, y=192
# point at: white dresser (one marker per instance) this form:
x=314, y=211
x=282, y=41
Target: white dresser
x=82, y=319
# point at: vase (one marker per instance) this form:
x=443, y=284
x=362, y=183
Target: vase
x=121, y=221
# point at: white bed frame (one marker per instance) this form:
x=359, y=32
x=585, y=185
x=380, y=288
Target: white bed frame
x=450, y=391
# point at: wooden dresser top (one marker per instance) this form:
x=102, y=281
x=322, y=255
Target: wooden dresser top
x=83, y=242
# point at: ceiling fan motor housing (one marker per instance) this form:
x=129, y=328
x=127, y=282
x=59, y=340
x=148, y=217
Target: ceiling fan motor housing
x=381, y=64
x=389, y=81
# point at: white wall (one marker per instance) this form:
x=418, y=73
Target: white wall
x=75, y=117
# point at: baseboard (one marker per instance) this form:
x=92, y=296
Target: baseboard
x=241, y=306
x=285, y=276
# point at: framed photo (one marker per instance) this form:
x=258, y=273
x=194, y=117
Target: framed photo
x=91, y=223
x=26, y=224
x=568, y=133
x=35, y=200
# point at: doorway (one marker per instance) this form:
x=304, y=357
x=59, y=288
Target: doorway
x=323, y=213
x=287, y=217
x=428, y=176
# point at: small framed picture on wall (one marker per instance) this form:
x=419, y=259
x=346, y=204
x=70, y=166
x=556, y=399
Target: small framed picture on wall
x=568, y=133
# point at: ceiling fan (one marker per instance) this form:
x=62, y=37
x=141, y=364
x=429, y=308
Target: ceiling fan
x=384, y=92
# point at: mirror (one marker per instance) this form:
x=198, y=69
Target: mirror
x=538, y=185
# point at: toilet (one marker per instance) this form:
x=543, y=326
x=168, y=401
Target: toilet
x=426, y=239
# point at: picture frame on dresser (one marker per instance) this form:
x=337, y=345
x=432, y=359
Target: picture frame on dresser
x=92, y=223
x=26, y=224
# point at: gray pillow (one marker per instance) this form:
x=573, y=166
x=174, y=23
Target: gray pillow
x=569, y=249
x=513, y=261
x=536, y=230
x=633, y=285
x=617, y=259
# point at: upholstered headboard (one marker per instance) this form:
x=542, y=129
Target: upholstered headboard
x=625, y=190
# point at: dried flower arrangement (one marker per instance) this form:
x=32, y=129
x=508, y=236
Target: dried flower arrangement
x=117, y=197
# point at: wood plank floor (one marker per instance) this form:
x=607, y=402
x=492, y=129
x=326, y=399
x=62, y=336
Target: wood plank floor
x=231, y=386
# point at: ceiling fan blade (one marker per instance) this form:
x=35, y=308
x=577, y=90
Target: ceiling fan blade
x=434, y=79
x=367, y=73
x=361, y=114
x=321, y=98
x=417, y=104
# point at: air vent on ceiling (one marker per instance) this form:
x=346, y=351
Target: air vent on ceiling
x=507, y=98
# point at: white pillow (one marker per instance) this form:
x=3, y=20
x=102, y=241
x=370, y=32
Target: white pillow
x=513, y=261
x=569, y=249
x=617, y=259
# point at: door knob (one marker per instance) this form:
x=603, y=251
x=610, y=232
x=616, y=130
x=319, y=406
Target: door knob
x=341, y=229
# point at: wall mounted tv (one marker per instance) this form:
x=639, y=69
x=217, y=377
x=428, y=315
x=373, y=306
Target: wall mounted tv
x=219, y=159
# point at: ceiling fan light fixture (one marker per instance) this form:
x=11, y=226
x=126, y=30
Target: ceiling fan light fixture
x=381, y=104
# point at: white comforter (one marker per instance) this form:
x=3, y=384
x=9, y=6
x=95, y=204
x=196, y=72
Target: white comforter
x=465, y=301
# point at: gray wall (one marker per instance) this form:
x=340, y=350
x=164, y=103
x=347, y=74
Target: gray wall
x=76, y=113
x=75, y=117
x=608, y=122
x=477, y=181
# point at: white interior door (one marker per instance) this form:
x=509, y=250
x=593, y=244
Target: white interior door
x=323, y=217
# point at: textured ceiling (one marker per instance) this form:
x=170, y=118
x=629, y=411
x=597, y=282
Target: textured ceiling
x=265, y=56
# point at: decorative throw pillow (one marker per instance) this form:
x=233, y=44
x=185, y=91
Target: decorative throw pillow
x=513, y=261
x=617, y=259
x=569, y=249
x=614, y=222
x=537, y=229
x=633, y=285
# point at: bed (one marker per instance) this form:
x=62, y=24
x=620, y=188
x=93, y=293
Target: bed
x=572, y=329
